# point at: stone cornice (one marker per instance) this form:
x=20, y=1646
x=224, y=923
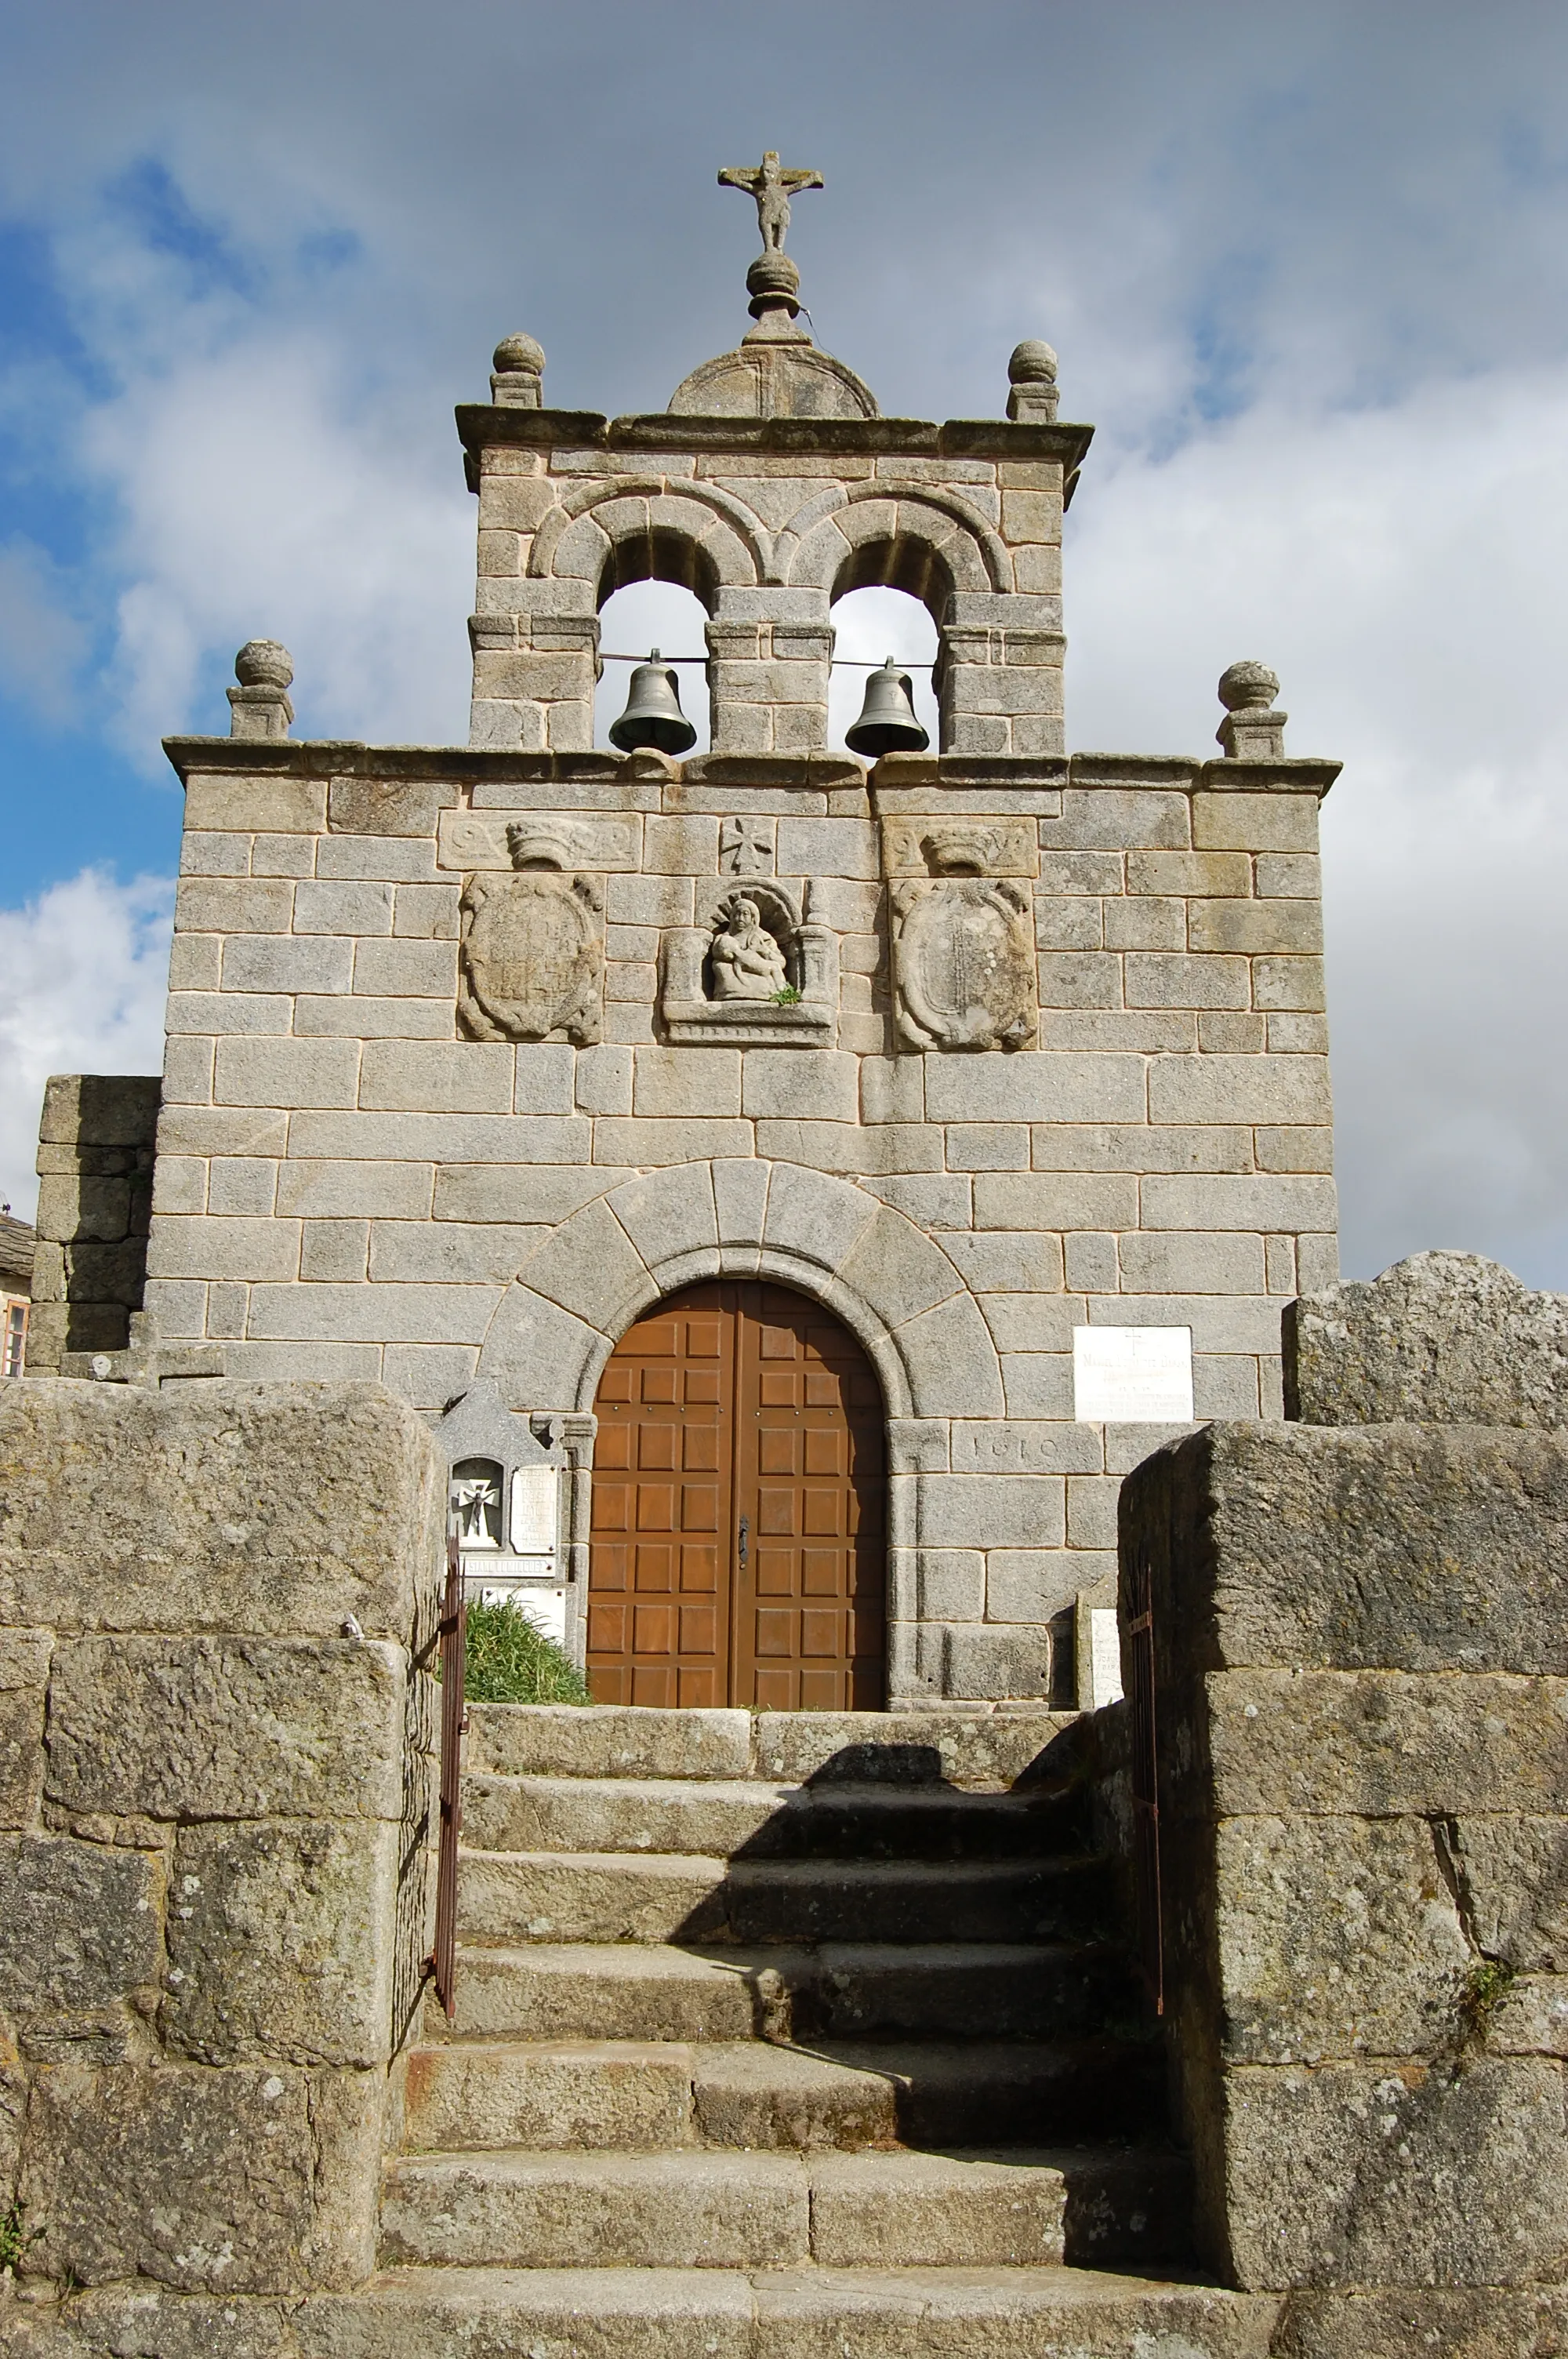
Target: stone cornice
x=480, y=424
x=333, y=757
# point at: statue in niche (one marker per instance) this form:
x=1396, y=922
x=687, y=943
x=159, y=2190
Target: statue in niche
x=746, y=960
x=753, y=971
x=532, y=945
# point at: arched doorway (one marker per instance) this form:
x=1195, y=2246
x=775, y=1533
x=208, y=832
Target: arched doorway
x=738, y=1550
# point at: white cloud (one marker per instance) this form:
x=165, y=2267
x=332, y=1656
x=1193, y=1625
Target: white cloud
x=83, y=969
x=257, y=500
x=42, y=641
x=1395, y=569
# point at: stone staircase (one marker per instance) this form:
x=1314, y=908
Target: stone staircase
x=819, y=2019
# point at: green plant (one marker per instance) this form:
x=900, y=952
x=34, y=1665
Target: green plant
x=508, y=1660
x=1487, y=1985
x=16, y=2237
x=787, y=997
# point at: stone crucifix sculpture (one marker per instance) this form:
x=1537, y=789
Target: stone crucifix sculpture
x=772, y=187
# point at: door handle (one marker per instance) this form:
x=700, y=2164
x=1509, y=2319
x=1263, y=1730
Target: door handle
x=745, y=1539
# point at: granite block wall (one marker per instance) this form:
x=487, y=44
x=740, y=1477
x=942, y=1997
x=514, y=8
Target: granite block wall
x=217, y=1606
x=348, y=1187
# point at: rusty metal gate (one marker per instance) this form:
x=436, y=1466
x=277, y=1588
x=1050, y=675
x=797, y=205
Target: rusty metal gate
x=453, y=1630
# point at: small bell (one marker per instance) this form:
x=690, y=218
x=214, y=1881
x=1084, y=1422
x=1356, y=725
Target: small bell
x=887, y=723
x=653, y=714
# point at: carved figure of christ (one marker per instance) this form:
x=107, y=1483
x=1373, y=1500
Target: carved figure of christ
x=771, y=185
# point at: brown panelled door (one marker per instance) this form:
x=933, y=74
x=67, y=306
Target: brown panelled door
x=739, y=1547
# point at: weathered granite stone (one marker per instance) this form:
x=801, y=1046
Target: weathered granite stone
x=79, y=1926
x=1345, y=1940
x=1490, y=2322
x=1407, y=2174
x=24, y=1679
x=237, y=1728
x=1442, y=1338
x=278, y=1943
x=251, y=2180
x=1378, y=1742
x=1513, y=1872
x=1362, y=1774
x=276, y=1507
x=1529, y=2017
x=12, y=2112
x=1396, y=1546
x=143, y=2321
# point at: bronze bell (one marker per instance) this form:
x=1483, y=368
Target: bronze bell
x=887, y=723
x=653, y=714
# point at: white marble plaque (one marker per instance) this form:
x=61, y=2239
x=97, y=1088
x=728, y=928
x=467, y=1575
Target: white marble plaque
x=534, y=1509
x=1105, y=1658
x=528, y=1582
x=1133, y=1375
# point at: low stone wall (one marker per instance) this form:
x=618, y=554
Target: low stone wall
x=1361, y=1701
x=95, y=1181
x=216, y=1608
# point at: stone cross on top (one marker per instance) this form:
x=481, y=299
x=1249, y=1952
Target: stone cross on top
x=772, y=187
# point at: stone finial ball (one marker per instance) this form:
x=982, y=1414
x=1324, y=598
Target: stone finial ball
x=264, y=663
x=1246, y=686
x=519, y=356
x=1033, y=363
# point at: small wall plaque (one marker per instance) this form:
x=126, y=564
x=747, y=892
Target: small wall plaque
x=1133, y=1375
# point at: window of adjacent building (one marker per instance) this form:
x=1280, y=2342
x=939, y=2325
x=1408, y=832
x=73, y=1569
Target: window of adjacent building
x=14, y=1340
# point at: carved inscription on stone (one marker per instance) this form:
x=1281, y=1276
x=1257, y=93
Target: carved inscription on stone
x=532, y=945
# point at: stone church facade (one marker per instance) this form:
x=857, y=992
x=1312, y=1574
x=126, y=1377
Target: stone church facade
x=455, y=1093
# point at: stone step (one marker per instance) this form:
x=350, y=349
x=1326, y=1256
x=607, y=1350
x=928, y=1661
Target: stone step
x=629, y=2094
x=682, y=2210
x=721, y=1818
x=512, y=1897
x=635, y=1990
x=986, y=1749
x=802, y=2314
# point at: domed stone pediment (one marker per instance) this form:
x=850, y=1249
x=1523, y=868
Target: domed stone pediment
x=773, y=377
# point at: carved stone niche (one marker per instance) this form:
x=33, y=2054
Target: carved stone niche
x=962, y=937
x=755, y=972
x=532, y=945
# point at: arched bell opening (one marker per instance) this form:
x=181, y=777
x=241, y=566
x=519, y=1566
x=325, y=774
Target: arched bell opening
x=659, y=556
x=869, y=625
x=652, y=610
x=738, y=1550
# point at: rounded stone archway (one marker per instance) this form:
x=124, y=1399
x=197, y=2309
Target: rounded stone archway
x=894, y=1288
x=897, y=1292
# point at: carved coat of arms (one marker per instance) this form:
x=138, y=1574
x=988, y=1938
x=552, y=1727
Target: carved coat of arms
x=964, y=963
x=533, y=958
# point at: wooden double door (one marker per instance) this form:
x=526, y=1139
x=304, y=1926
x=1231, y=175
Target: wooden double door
x=738, y=1541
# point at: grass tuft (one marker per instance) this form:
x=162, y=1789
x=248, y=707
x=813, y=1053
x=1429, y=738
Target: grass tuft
x=509, y=1661
x=16, y=2238
x=1487, y=1985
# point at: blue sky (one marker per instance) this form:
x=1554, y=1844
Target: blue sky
x=1305, y=270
